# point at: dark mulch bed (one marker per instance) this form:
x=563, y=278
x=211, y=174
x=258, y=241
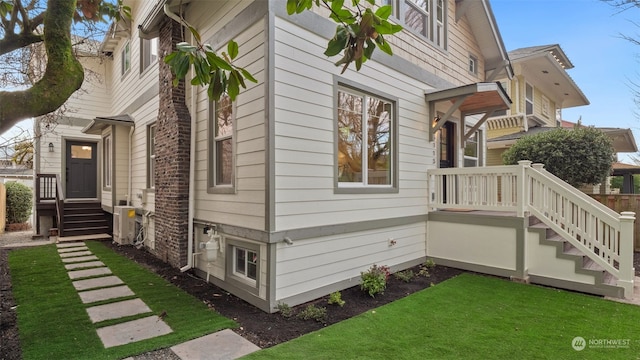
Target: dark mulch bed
x=261, y=328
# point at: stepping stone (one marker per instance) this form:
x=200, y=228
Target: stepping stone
x=224, y=344
x=100, y=282
x=68, y=245
x=84, y=265
x=72, y=249
x=77, y=274
x=77, y=253
x=79, y=259
x=133, y=331
x=91, y=296
x=117, y=310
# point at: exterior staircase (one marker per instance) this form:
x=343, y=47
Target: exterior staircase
x=84, y=218
x=604, y=284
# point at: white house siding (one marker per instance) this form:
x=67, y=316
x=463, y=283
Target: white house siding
x=304, y=137
x=246, y=206
x=335, y=262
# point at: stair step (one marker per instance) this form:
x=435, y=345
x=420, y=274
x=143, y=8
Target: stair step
x=610, y=280
x=86, y=231
x=84, y=217
x=92, y=204
x=556, y=237
x=571, y=250
x=591, y=265
x=68, y=225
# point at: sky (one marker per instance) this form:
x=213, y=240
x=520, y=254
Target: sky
x=589, y=32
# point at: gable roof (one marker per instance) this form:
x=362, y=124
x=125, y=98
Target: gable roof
x=554, y=49
x=485, y=29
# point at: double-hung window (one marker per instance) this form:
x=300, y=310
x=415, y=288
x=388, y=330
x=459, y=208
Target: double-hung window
x=221, y=171
x=528, y=99
x=365, y=140
x=149, y=53
x=427, y=18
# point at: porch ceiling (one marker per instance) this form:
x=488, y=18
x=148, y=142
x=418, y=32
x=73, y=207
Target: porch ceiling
x=478, y=98
x=97, y=125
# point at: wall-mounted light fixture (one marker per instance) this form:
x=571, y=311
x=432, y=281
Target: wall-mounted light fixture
x=50, y=147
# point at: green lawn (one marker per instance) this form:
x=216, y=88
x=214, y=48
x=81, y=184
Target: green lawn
x=52, y=320
x=476, y=317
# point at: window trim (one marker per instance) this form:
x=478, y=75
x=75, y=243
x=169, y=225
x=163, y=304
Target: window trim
x=473, y=62
x=146, y=45
x=212, y=186
x=246, y=284
x=107, y=160
x=151, y=155
x=341, y=83
x=125, y=54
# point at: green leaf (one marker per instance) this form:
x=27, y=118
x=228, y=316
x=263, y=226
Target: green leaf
x=195, y=34
x=5, y=8
x=368, y=50
x=384, y=12
x=247, y=75
x=170, y=58
x=233, y=88
x=336, y=5
x=218, y=62
x=239, y=77
x=292, y=5
x=232, y=49
x=383, y=45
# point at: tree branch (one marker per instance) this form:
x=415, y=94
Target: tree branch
x=62, y=77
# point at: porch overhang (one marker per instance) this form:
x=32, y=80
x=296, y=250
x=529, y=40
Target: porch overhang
x=97, y=125
x=473, y=99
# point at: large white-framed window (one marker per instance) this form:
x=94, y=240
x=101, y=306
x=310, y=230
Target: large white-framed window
x=107, y=163
x=245, y=263
x=427, y=18
x=151, y=156
x=473, y=149
x=125, y=58
x=148, y=53
x=221, y=164
x=366, y=133
x=528, y=99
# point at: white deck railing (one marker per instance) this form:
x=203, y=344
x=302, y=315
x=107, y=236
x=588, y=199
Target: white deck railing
x=600, y=233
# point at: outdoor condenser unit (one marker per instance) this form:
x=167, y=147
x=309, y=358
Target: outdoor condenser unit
x=124, y=224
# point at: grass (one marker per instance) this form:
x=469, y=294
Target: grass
x=475, y=317
x=54, y=324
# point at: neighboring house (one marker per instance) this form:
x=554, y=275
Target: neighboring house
x=283, y=196
x=540, y=89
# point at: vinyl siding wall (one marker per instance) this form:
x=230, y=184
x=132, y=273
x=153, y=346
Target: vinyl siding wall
x=246, y=206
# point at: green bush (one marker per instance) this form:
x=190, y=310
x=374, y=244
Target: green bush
x=336, y=298
x=374, y=281
x=579, y=156
x=318, y=314
x=19, y=203
x=405, y=276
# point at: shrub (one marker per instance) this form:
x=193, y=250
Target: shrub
x=285, y=310
x=19, y=203
x=336, y=298
x=582, y=155
x=405, y=276
x=318, y=314
x=425, y=267
x=374, y=281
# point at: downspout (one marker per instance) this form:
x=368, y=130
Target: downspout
x=129, y=185
x=192, y=150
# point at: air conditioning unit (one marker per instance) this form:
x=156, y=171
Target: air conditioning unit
x=124, y=224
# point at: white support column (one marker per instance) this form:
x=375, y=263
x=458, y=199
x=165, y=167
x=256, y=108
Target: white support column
x=627, y=273
x=523, y=189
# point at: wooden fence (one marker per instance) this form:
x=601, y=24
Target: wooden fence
x=620, y=203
